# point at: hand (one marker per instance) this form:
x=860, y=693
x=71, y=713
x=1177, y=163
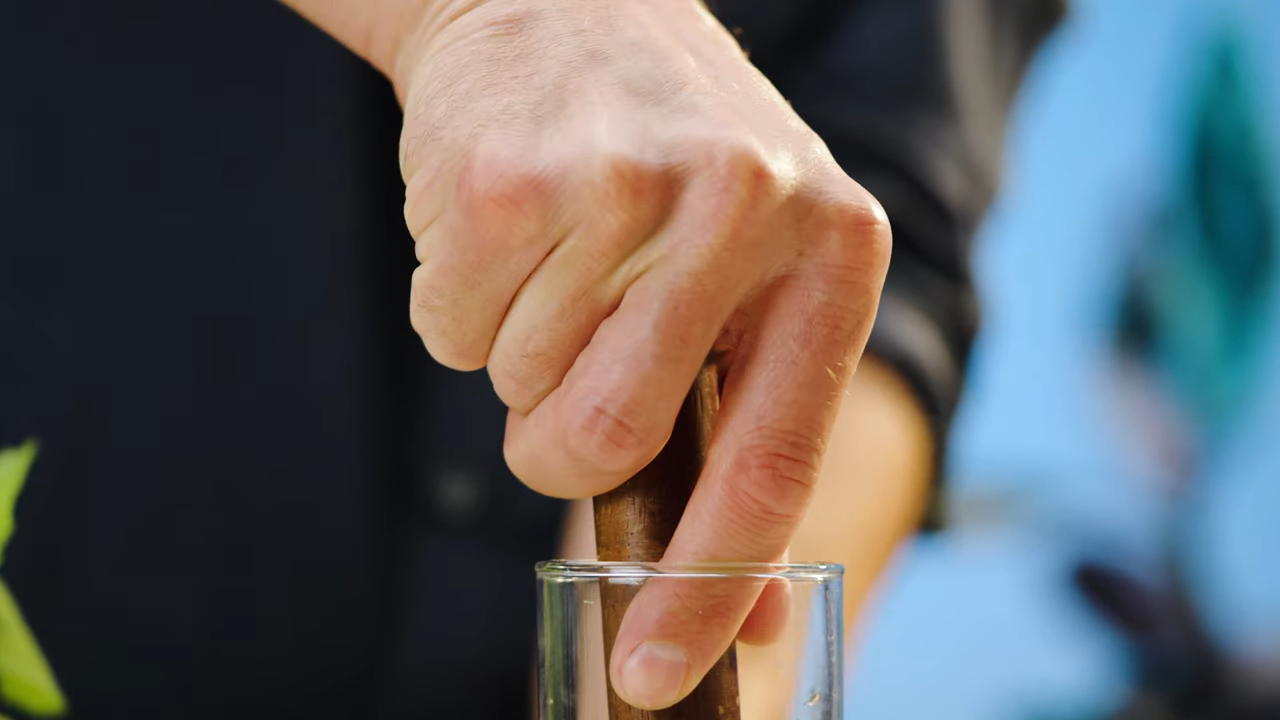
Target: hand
x=601, y=193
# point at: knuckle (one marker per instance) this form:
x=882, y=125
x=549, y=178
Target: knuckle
x=506, y=186
x=609, y=436
x=788, y=459
x=738, y=156
x=429, y=305
x=775, y=473
x=520, y=382
x=741, y=168
x=423, y=302
x=632, y=180
x=860, y=231
x=632, y=196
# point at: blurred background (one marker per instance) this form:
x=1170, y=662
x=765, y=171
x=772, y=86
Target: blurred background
x=1114, y=477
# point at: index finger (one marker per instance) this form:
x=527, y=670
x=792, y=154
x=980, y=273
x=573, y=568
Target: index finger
x=780, y=401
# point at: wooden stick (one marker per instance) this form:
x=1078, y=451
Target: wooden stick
x=635, y=523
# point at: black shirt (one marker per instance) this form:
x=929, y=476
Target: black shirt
x=257, y=497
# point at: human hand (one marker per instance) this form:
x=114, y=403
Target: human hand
x=602, y=193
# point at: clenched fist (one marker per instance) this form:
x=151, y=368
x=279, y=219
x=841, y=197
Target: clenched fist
x=603, y=194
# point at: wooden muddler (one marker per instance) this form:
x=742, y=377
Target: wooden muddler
x=635, y=523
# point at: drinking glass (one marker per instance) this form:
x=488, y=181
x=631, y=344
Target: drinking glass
x=796, y=674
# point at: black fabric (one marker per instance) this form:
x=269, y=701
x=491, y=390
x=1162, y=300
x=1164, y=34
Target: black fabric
x=256, y=496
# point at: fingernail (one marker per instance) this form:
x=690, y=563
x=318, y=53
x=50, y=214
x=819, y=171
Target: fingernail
x=654, y=675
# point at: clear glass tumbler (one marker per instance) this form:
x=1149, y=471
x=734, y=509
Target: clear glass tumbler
x=794, y=675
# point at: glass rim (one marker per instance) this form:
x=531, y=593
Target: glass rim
x=595, y=569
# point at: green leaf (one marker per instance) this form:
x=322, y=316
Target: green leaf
x=14, y=464
x=26, y=681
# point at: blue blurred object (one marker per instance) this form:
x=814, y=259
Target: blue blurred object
x=1198, y=298
x=1055, y=489
x=1195, y=312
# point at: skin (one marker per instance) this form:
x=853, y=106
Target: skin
x=870, y=495
x=603, y=193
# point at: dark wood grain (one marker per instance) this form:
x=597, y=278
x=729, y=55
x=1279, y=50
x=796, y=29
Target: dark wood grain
x=635, y=523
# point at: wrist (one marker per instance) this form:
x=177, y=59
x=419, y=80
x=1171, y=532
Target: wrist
x=406, y=34
x=409, y=35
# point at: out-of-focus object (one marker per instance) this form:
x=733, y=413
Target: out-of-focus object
x=1196, y=305
x=1180, y=674
x=27, y=684
x=1189, y=337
